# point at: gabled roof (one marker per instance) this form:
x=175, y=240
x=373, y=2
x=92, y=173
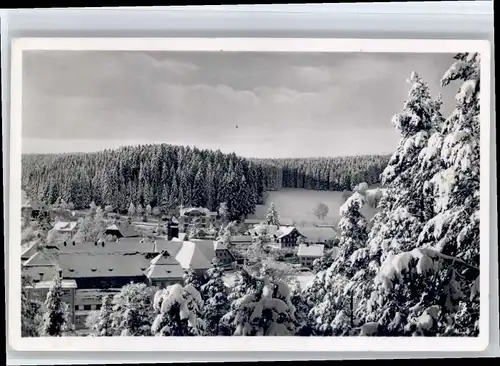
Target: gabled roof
x=312, y=250
x=318, y=233
x=171, y=246
x=188, y=210
x=164, y=266
x=207, y=247
x=65, y=225
x=78, y=265
x=123, y=245
x=240, y=239
x=284, y=231
x=127, y=231
x=190, y=256
x=219, y=245
x=252, y=221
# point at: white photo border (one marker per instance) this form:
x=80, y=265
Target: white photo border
x=218, y=344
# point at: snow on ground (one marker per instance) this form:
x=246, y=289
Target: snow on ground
x=298, y=205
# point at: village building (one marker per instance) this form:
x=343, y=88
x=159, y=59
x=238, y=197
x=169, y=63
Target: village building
x=164, y=270
x=308, y=253
x=196, y=216
x=223, y=254
x=66, y=229
x=250, y=223
x=319, y=235
x=286, y=237
x=120, y=231
x=240, y=240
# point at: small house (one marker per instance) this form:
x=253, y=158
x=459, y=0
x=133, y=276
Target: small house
x=121, y=231
x=308, y=253
x=287, y=237
x=66, y=229
x=223, y=254
x=319, y=235
x=164, y=271
x=241, y=240
x=196, y=216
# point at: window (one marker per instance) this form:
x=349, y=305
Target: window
x=87, y=307
x=98, y=306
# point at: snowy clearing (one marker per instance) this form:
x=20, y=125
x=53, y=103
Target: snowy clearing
x=298, y=204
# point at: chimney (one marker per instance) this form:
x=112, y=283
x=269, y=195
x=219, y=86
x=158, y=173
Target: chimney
x=41, y=276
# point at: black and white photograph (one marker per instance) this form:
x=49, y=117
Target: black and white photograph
x=226, y=192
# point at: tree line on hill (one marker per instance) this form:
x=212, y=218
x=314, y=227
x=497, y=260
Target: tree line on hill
x=165, y=177
x=414, y=273
x=327, y=174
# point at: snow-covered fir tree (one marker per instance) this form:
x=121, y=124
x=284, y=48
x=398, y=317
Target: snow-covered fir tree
x=54, y=323
x=191, y=277
x=272, y=216
x=333, y=293
x=397, y=226
x=104, y=325
x=31, y=318
x=180, y=312
x=454, y=229
x=214, y=292
x=265, y=310
x=429, y=286
x=131, y=210
x=133, y=310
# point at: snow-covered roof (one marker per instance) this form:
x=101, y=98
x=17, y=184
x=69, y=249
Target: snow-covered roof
x=190, y=256
x=47, y=284
x=113, y=227
x=240, y=239
x=284, y=231
x=312, y=250
x=252, y=221
x=41, y=258
x=123, y=245
x=77, y=265
x=65, y=225
x=189, y=210
x=127, y=231
x=207, y=247
x=219, y=245
x=318, y=234
x=29, y=250
x=171, y=246
x=164, y=266
x=271, y=229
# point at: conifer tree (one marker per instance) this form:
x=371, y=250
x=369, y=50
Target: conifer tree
x=180, y=312
x=104, y=325
x=54, y=322
x=214, y=292
x=272, y=217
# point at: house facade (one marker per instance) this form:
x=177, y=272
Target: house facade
x=199, y=217
x=308, y=253
x=286, y=237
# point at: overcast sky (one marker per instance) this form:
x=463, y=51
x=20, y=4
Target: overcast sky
x=255, y=104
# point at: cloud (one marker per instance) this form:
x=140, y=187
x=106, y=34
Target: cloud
x=275, y=100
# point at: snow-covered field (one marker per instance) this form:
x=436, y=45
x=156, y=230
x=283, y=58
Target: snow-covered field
x=298, y=204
